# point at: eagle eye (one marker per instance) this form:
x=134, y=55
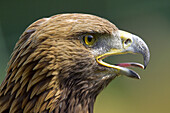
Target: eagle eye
x=89, y=40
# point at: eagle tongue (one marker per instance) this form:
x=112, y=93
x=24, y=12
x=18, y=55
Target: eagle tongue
x=130, y=64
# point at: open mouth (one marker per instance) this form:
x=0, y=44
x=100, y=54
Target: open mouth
x=122, y=68
x=130, y=64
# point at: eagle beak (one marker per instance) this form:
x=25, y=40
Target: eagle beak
x=131, y=44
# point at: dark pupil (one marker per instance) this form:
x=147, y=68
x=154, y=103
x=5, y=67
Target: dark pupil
x=89, y=38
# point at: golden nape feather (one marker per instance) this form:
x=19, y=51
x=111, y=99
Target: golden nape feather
x=57, y=66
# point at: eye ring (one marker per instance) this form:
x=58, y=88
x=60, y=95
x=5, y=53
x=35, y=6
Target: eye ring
x=89, y=40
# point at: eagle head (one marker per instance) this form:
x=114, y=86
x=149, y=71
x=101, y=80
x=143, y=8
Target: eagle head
x=58, y=64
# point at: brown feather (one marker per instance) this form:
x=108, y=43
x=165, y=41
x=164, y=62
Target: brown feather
x=50, y=67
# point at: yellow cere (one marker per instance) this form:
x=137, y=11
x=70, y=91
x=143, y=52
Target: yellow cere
x=125, y=35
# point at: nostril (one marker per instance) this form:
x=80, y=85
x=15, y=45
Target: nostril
x=128, y=41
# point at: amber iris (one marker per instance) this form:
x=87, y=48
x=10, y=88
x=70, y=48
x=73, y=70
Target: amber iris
x=89, y=40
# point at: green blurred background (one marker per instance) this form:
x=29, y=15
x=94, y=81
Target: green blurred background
x=149, y=19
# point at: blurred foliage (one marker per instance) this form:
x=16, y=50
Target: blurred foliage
x=149, y=19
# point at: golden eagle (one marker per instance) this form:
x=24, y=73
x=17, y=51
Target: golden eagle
x=57, y=65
